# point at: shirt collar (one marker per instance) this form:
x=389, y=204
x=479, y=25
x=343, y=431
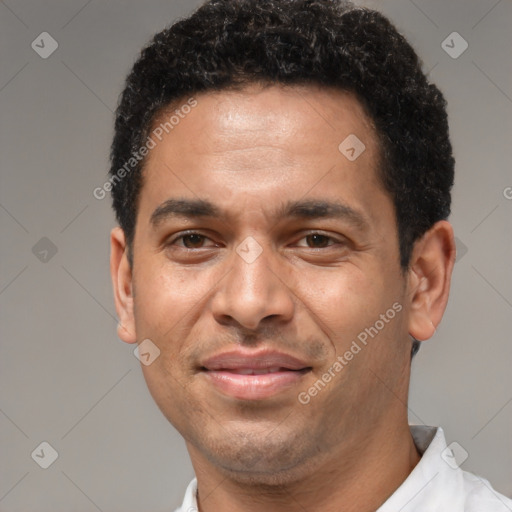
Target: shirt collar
x=434, y=482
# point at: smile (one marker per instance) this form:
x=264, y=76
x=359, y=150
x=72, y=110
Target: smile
x=254, y=383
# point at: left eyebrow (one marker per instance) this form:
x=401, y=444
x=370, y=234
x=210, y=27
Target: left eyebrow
x=320, y=208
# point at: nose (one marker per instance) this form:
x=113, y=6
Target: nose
x=253, y=292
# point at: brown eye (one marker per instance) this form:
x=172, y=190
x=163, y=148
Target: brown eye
x=193, y=240
x=318, y=241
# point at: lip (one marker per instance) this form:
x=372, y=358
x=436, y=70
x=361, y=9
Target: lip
x=239, y=373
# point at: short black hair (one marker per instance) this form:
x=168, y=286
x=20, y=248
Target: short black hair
x=229, y=44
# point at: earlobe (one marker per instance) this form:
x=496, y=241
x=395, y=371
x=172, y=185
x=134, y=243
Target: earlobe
x=121, y=274
x=429, y=279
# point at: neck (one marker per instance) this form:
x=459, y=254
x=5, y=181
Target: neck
x=359, y=477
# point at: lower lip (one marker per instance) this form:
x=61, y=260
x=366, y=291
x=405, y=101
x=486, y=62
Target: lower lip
x=253, y=387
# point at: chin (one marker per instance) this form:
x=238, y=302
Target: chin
x=269, y=475
x=262, y=459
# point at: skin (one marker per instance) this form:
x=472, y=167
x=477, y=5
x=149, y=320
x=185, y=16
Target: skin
x=249, y=152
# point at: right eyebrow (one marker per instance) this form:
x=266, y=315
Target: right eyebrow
x=183, y=208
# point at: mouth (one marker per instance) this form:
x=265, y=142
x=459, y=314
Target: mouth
x=254, y=376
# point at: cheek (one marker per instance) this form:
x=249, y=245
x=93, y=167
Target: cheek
x=164, y=309
x=166, y=297
x=344, y=299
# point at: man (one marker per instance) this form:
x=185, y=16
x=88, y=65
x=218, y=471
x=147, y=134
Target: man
x=281, y=174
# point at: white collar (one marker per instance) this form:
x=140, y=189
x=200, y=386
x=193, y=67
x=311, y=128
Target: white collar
x=436, y=484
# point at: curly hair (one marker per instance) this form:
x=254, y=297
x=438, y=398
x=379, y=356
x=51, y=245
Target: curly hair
x=228, y=44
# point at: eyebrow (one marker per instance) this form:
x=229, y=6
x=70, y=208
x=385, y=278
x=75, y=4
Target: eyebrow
x=301, y=209
x=186, y=208
x=322, y=209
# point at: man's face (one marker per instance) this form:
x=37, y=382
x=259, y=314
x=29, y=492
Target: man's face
x=271, y=272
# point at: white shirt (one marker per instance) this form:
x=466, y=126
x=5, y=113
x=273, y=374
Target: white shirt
x=436, y=484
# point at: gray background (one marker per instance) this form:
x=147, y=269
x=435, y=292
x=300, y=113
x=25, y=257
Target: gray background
x=66, y=379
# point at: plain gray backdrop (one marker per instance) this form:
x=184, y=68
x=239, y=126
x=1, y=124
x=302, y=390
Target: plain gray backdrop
x=66, y=379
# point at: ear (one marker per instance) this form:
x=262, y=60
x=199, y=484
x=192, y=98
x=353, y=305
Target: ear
x=121, y=274
x=429, y=277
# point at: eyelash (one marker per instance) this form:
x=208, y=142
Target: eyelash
x=189, y=233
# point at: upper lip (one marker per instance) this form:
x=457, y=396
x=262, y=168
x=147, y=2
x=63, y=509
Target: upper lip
x=242, y=359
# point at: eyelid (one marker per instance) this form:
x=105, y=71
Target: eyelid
x=336, y=239
x=179, y=236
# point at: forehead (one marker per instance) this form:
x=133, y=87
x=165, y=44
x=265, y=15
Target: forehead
x=278, y=116
x=259, y=144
